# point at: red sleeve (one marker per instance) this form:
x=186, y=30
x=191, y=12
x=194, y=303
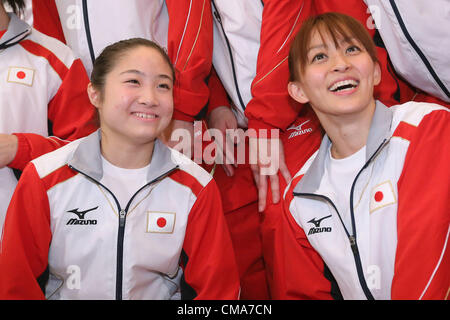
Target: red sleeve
x=46, y=19
x=299, y=271
x=26, y=239
x=218, y=96
x=210, y=269
x=271, y=106
x=190, y=49
x=70, y=113
x=422, y=262
x=426, y=97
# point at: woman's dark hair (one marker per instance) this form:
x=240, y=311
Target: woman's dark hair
x=106, y=61
x=16, y=5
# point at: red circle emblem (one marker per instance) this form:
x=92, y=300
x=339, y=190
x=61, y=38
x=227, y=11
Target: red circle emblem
x=21, y=75
x=378, y=196
x=161, y=222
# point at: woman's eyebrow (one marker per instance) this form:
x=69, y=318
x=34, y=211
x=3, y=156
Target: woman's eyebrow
x=164, y=76
x=134, y=71
x=319, y=46
x=347, y=40
x=341, y=42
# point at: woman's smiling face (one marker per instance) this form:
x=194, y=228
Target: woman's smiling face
x=136, y=103
x=338, y=76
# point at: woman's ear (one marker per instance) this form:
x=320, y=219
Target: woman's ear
x=94, y=95
x=377, y=74
x=296, y=92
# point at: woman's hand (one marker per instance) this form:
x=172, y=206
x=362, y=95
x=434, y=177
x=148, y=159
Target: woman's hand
x=270, y=160
x=223, y=119
x=8, y=148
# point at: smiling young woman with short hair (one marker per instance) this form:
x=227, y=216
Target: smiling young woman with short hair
x=369, y=211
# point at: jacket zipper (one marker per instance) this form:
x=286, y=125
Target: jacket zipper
x=352, y=237
x=88, y=30
x=417, y=49
x=122, y=221
x=353, y=245
x=219, y=19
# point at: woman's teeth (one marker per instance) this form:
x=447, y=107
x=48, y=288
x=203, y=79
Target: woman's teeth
x=343, y=85
x=144, y=115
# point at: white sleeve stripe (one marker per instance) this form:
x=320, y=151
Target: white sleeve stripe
x=437, y=266
x=184, y=32
x=290, y=32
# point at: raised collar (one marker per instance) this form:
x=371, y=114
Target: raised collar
x=87, y=158
x=16, y=32
x=380, y=129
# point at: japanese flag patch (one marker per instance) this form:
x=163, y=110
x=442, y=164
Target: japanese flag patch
x=160, y=222
x=382, y=196
x=21, y=75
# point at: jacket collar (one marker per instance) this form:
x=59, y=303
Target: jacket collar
x=380, y=129
x=88, y=160
x=17, y=31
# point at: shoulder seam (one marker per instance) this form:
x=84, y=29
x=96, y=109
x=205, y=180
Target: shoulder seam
x=40, y=51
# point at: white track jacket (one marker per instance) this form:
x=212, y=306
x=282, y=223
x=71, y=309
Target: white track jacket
x=42, y=92
x=397, y=245
x=170, y=239
x=415, y=34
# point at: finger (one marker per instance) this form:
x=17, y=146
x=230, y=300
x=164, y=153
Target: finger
x=275, y=187
x=221, y=157
x=262, y=193
x=228, y=151
x=255, y=172
x=285, y=172
x=236, y=144
x=228, y=170
x=283, y=167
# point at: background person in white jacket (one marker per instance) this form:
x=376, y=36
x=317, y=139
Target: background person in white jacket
x=415, y=34
x=42, y=94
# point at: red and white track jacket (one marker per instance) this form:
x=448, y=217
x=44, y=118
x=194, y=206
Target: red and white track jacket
x=43, y=92
x=183, y=27
x=171, y=238
x=415, y=34
x=398, y=244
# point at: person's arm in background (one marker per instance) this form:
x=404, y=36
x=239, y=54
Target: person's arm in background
x=221, y=117
x=46, y=19
x=271, y=107
x=190, y=50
